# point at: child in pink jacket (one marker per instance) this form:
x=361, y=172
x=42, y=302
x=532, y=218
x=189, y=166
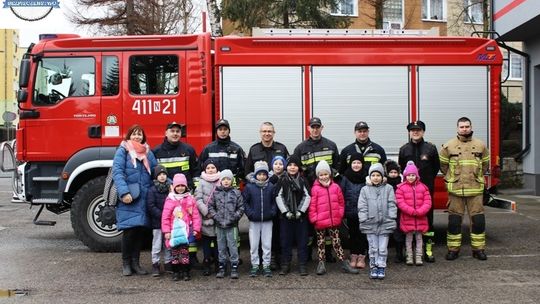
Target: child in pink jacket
x=414, y=202
x=182, y=205
x=326, y=211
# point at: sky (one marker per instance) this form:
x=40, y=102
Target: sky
x=55, y=22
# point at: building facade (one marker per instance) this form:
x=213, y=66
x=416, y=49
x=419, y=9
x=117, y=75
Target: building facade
x=9, y=74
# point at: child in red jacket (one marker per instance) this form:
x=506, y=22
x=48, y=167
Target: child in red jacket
x=326, y=211
x=414, y=202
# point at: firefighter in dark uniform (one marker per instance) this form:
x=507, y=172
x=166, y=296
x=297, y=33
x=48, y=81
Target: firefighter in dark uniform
x=372, y=152
x=179, y=157
x=425, y=156
x=464, y=161
x=266, y=150
x=226, y=153
x=310, y=152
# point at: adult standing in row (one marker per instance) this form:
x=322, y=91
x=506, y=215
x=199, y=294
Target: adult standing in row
x=131, y=171
x=464, y=161
x=226, y=153
x=177, y=156
x=310, y=152
x=266, y=150
x=426, y=158
x=372, y=152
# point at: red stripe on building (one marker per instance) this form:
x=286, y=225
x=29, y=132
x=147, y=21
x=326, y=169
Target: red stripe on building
x=510, y=6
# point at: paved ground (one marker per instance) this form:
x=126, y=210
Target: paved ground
x=56, y=267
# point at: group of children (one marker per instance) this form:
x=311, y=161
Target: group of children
x=367, y=201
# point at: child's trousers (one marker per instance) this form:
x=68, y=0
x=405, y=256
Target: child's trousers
x=378, y=250
x=290, y=231
x=336, y=243
x=227, y=242
x=158, y=246
x=409, y=239
x=260, y=233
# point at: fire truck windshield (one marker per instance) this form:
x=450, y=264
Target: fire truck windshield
x=58, y=78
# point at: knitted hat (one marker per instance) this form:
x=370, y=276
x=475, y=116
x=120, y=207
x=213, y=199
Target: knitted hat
x=210, y=161
x=293, y=159
x=410, y=169
x=226, y=174
x=322, y=166
x=159, y=169
x=356, y=156
x=377, y=167
x=179, y=179
x=281, y=158
x=260, y=166
x=392, y=165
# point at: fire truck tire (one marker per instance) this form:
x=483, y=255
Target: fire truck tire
x=87, y=221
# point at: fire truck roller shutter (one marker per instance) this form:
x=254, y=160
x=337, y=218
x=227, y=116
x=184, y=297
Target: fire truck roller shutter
x=252, y=95
x=446, y=93
x=342, y=96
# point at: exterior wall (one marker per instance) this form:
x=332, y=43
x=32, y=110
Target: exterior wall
x=9, y=70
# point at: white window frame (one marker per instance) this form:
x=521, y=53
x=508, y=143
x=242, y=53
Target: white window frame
x=473, y=5
x=339, y=12
x=514, y=60
x=427, y=7
x=393, y=24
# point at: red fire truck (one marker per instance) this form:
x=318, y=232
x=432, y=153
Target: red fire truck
x=78, y=96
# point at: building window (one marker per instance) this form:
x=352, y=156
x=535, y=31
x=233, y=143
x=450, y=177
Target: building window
x=474, y=12
x=393, y=14
x=516, y=63
x=346, y=8
x=434, y=10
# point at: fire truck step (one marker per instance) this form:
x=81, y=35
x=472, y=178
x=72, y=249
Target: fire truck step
x=39, y=201
x=42, y=222
x=46, y=178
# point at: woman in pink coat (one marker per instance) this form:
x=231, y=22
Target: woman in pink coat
x=414, y=202
x=182, y=205
x=326, y=211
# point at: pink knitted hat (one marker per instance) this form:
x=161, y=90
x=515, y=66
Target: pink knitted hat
x=411, y=169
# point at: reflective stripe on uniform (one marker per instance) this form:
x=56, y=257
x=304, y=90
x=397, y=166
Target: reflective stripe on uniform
x=175, y=162
x=311, y=158
x=222, y=154
x=443, y=159
x=478, y=241
x=453, y=241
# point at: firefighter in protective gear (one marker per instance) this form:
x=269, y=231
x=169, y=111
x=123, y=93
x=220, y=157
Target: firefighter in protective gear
x=424, y=154
x=310, y=152
x=464, y=161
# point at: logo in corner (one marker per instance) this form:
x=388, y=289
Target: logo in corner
x=31, y=10
x=486, y=57
x=111, y=120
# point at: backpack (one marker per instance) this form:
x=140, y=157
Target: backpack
x=179, y=235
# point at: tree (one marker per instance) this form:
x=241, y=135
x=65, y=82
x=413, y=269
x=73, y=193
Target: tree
x=465, y=19
x=130, y=17
x=214, y=14
x=283, y=14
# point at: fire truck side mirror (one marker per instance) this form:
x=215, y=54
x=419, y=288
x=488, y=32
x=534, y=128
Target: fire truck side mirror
x=24, y=73
x=22, y=95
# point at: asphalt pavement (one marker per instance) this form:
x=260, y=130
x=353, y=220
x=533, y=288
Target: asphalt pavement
x=48, y=264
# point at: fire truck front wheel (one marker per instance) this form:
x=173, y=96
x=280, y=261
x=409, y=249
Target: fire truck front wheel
x=90, y=221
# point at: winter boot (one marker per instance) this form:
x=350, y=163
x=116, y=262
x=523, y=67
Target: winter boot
x=429, y=251
x=353, y=260
x=176, y=276
x=346, y=267
x=221, y=271
x=381, y=273
x=418, y=259
x=373, y=273
x=409, y=258
x=137, y=267
x=187, y=275
x=267, y=272
x=126, y=268
x=452, y=255
x=155, y=270
x=302, y=269
x=479, y=254
x=254, y=271
x=168, y=267
x=285, y=268
x=274, y=265
x=321, y=268
x=361, y=261
x=206, y=267
x=234, y=271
